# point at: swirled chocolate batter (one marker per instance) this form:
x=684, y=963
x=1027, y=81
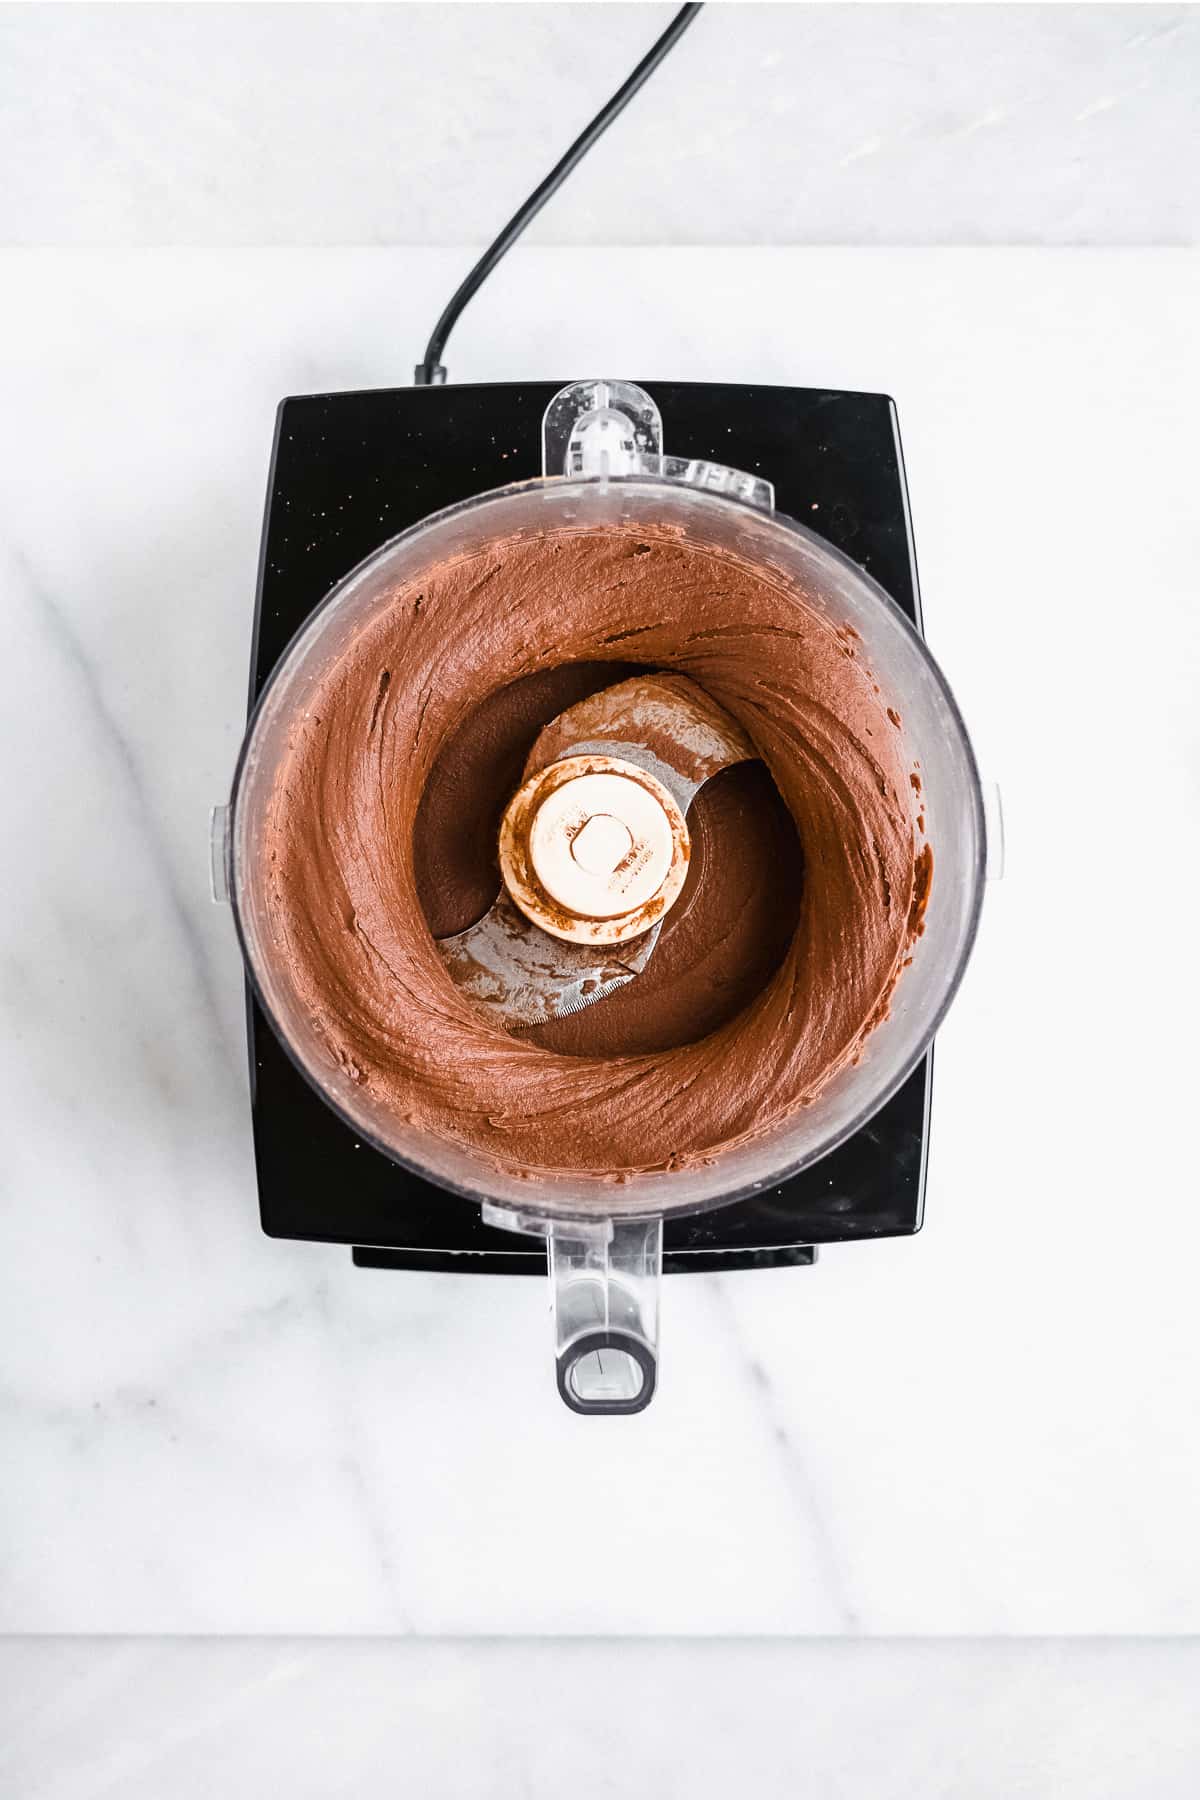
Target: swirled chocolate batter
x=353, y=894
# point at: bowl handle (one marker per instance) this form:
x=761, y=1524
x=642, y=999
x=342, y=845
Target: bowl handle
x=605, y=1276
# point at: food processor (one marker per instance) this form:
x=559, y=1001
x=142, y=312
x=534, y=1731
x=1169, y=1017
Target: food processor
x=612, y=453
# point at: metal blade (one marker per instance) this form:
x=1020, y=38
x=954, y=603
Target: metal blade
x=523, y=976
x=666, y=725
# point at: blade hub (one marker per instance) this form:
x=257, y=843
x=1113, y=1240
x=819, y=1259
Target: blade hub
x=593, y=849
x=600, y=845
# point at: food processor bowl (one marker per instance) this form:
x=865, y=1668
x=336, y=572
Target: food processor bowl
x=605, y=1239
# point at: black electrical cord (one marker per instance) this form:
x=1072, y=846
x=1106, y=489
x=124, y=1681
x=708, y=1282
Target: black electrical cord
x=429, y=371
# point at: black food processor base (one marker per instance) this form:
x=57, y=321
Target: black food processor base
x=348, y=472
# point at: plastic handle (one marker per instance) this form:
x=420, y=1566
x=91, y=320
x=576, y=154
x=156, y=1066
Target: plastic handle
x=605, y=1276
x=603, y=430
x=606, y=1314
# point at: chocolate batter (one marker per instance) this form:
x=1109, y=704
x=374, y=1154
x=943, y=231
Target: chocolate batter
x=685, y=1061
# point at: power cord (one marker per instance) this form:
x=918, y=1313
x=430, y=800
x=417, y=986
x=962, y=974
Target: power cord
x=430, y=372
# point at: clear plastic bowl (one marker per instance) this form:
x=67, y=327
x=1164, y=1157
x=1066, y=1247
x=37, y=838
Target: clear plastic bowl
x=934, y=735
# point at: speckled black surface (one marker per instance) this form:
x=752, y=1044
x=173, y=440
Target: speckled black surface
x=351, y=470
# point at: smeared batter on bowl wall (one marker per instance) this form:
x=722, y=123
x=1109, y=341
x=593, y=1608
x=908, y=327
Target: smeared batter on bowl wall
x=345, y=901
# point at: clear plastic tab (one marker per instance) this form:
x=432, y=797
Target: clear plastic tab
x=600, y=428
x=993, y=814
x=218, y=854
x=603, y=430
x=716, y=478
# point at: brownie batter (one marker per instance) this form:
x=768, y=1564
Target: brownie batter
x=685, y=1061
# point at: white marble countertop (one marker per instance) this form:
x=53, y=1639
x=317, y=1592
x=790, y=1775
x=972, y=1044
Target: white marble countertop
x=768, y=124
x=140, y=1719
x=206, y=1432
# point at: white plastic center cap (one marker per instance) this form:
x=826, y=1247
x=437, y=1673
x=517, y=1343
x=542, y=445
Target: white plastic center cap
x=601, y=845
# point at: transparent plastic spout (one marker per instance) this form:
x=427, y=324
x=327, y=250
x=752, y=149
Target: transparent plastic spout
x=605, y=1276
x=603, y=430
